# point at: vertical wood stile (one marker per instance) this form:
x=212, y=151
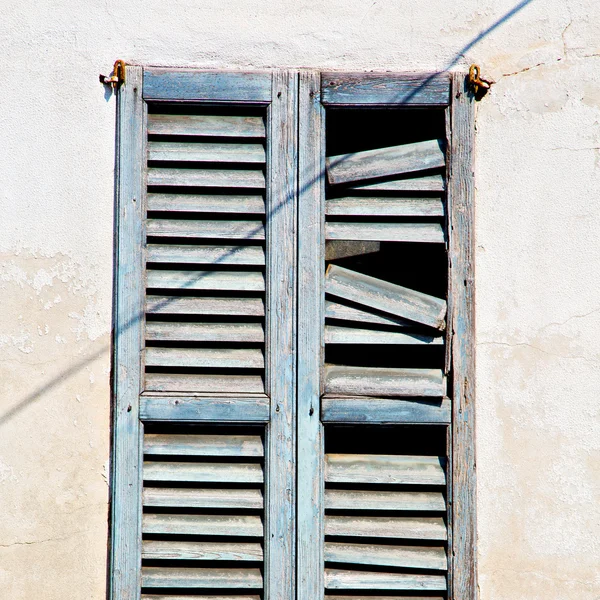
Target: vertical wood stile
x=281, y=331
x=126, y=481
x=310, y=342
x=461, y=215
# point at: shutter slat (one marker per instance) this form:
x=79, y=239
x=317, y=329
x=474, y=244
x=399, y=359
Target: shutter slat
x=203, y=472
x=415, y=557
x=429, y=183
x=206, y=152
x=384, y=468
x=376, y=500
x=219, y=255
x=205, y=357
x=168, y=577
x=203, y=498
x=206, y=125
x=173, y=305
x=213, y=178
x=373, y=381
x=178, y=550
x=338, y=579
x=430, y=233
x=227, y=525
x=385, y=296
x=383, y=162
x=335, y=310
x=415, y=528
x=382, y=206
x=208, y=203
x=329, y=597
x=228, y=597
x=158, y=382
x=350, y=335
x=238, y=281
x=203, y=445
x=204, y=332
x=235, y=230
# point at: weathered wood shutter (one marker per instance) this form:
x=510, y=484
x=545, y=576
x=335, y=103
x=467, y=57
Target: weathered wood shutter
x=383, y=415
x=204, y=347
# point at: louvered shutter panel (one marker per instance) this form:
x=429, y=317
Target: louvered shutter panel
x=203, y=500
x=374, y=358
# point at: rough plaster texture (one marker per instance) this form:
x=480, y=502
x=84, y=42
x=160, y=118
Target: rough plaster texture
x=538, y=311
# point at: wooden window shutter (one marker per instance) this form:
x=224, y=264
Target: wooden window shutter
x=385, y=365
x=204, y=428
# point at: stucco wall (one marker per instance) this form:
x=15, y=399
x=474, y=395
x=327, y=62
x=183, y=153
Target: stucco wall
x=538, y=307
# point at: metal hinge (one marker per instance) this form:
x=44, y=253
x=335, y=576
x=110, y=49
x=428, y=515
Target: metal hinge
x=478, y=86
x=117, y=77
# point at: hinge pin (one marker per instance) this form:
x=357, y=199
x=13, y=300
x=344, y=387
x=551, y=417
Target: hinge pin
x=117, y=77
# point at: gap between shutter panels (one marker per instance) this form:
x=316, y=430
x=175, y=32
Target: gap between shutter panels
x=205, y=255
x=203, y=512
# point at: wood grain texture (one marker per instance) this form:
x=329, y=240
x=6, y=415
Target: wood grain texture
x=221, y=597
x=193, y=84
x=204, y=332
x=417, y=89
x=203, y=444
x=203, y=498
x=385, y=162
x=206, y=152
x=338, y=579
x=385, y=468
x=236, y=281
x=385, y=296
x=233, y=230
x=376, y=381
x=173, y=577
x=225, y=525
x=378, y=500
x=385, y=410
x=206, y=126
x=336, y=310
x=205, y=409
x=126, y=480
x=174, y=305
x=280, y=559
x=179, y=550
x=216, y=358
x=462, y=285
x=218, y=255
x=382, y=206
x=203, y=472
x=159, y=382
x=428, y=233
x=416, y=183
x=410, y=528
x=213, y=178
x=310, y=582
x=207, y=203
x=335, y=334
x=336, y=597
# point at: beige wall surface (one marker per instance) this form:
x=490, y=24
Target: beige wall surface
x=538, y=275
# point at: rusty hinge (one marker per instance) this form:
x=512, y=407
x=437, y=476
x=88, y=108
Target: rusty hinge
x=117, y=77
x=478, y=86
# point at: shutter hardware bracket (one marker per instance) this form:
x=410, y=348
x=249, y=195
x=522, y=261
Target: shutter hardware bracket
x=117, y=77
x=478, y=86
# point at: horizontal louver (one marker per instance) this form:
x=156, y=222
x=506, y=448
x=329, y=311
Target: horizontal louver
x=203, y=525
x=205, y=255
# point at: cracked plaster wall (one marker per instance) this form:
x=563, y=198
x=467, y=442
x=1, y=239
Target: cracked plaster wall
x=538, y=307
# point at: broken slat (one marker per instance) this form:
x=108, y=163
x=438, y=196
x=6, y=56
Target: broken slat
x=375, y=381
x=239, y=281
x=238, y=525
x=203, y=444
x=385, y=296
x=158, y=382
x=206, y=152
x=329, y=597
x=234, y=230
x=352, y=335
x=385, y=468
x=338, y=579
x=428, y=233
x=220, y=255
x=206, y=125
x=335, y=310
x=174, y=305
x=170, y=577
x=413, y=528
x=206, y=203
x=382, y=206
x=180, y=550
x=218, y=358
x=384, y=162
x=414, y=557
x=202, y=498
x=203, y=472
x=213, y=178
x=428, y=183
x=204, y=332
x=378, y=500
